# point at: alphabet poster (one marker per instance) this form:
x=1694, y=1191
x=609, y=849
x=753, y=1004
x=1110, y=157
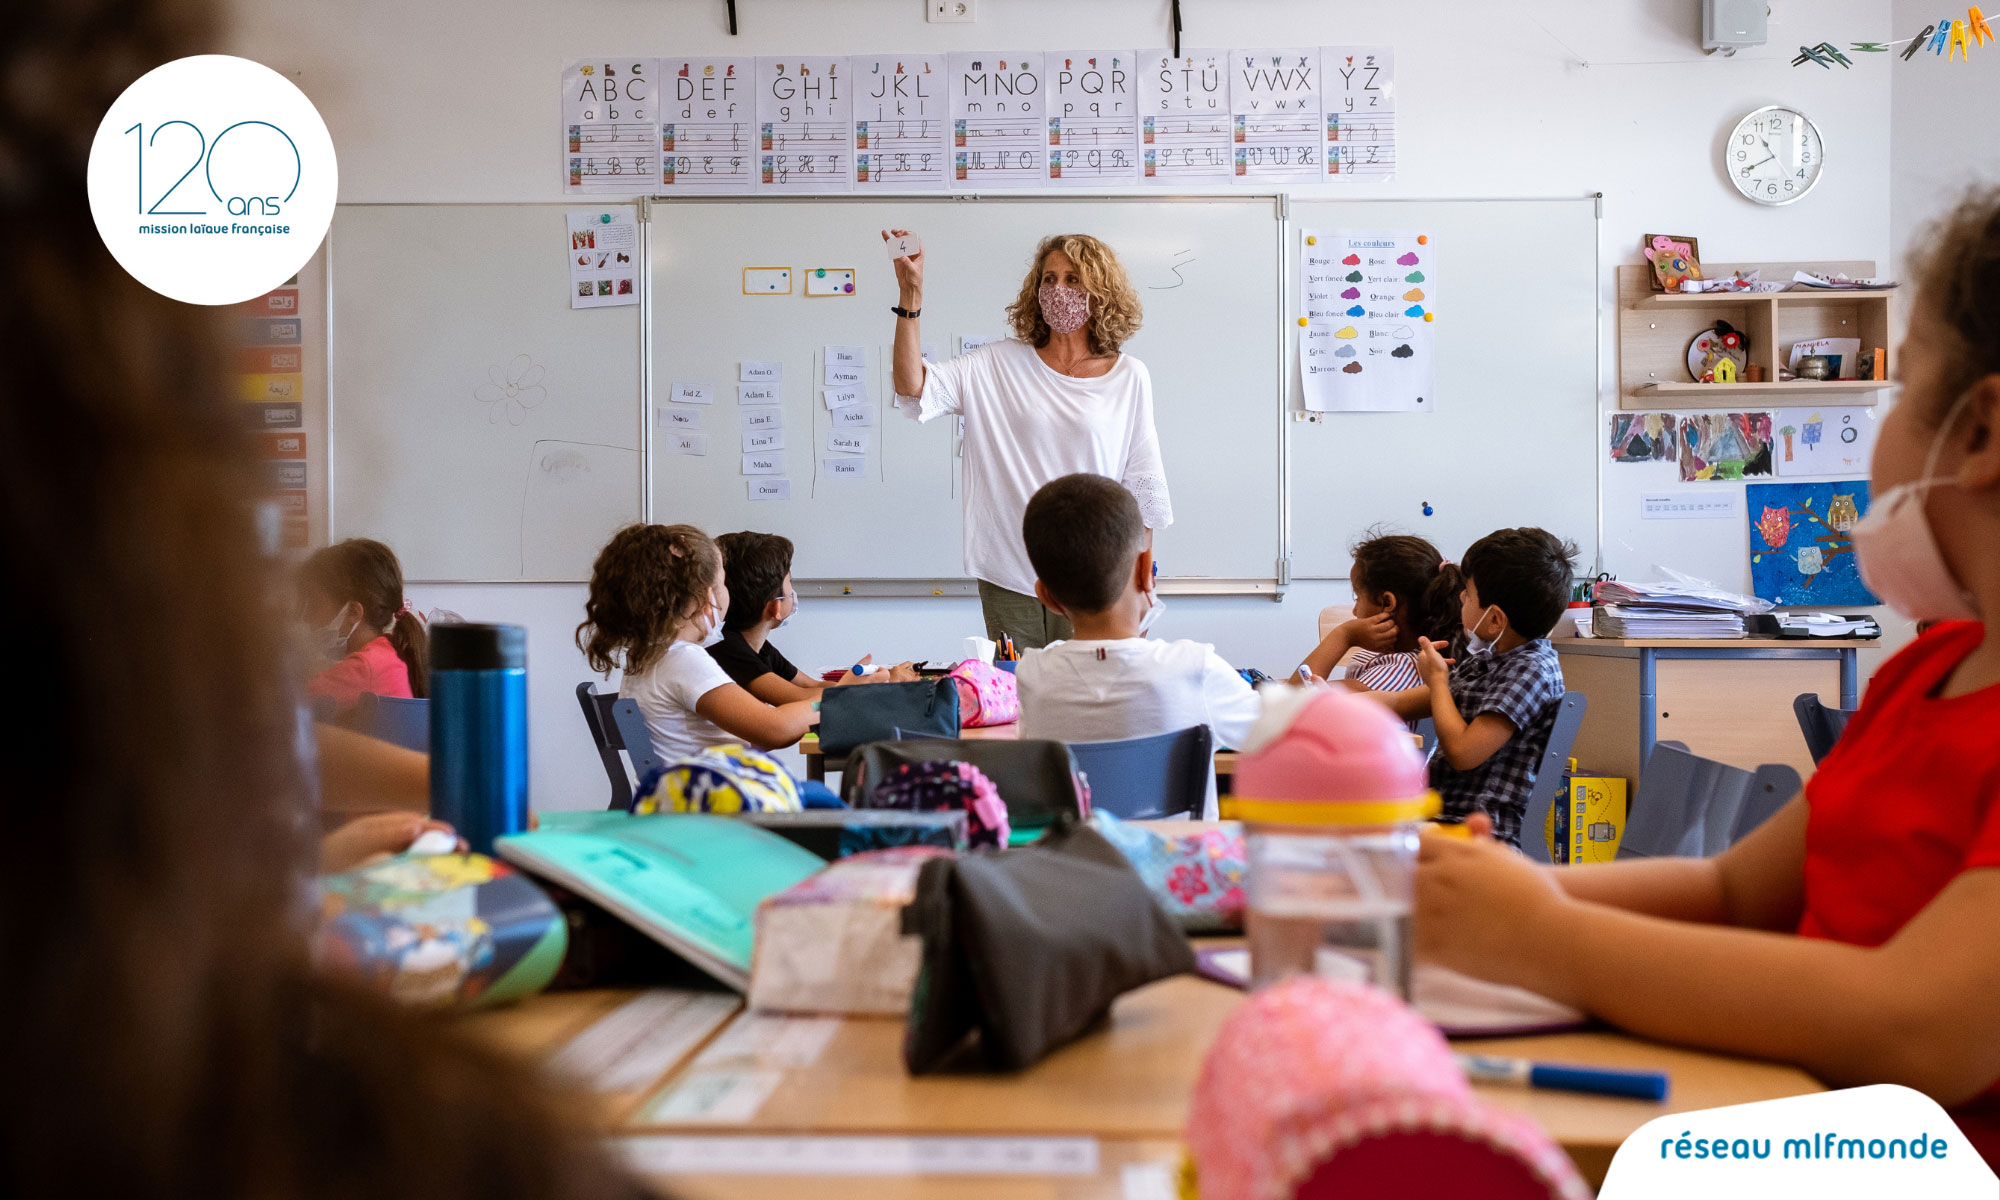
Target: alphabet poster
x=1367, y=344
x=804, y=110
x=1274, y=100
x=708, y=112
x=1093, y=117
x=611, y=125
x=1360, y=107
x=1184, y=122
x=976, y=119
x=902, y=131
x=1801, y=543
x=998, y=112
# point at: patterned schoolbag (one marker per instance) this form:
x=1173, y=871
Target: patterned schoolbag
x=719, y=779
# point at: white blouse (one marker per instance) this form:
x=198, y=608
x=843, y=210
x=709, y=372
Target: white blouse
x=1025, y=425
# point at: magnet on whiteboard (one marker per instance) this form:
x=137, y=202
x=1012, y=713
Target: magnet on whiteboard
x=605, y=219
x=1423, y=240
x=1312, y=241
x=1428, y=510
x=1302, y=320
x=1430, y=316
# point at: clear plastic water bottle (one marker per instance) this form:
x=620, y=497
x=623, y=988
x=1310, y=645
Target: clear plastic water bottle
x=479, y=730
x=1332, y=792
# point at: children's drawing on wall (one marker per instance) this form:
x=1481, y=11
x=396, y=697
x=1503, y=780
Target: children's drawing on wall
x=1645, y=437
x=1725, y=445
x=575, y=495
x=1825, y=441
x=1802, y=545
x=512, y=390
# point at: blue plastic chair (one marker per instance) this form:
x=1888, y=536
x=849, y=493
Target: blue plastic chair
x=397, y=719
x=1821, y=725
x=618, y=729
x=1549, y=775
x=1143, y=778
x=1694, y=807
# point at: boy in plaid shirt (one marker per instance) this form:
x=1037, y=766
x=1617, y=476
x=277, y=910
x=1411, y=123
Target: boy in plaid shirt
x=1494, y=708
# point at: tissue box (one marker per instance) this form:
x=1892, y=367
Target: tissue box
x=833, y=943
x=1588, y=827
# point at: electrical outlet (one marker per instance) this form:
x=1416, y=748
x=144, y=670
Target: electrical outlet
x=949, y=11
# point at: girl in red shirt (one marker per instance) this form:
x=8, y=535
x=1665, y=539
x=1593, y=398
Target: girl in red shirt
x=351, y=594
x=1854, y=932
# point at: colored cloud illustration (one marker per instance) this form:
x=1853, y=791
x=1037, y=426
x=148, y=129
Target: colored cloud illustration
x=1347, y=331
x=1344, y=352
x=1414, y=277
x=1415, y=310
x=1353, y=368
x=1357, y=311
x=1352, y=260
x=1402, y=351
x=1352, y=293
x=1407, y=260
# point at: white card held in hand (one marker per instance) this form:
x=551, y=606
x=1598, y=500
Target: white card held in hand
x=902, y=245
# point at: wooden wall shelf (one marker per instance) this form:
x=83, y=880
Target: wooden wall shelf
x=1654, y=329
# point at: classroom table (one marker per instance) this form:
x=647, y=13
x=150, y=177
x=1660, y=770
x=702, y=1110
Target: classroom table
x=1225, y=760
x=1729, y=699
x=1126, y=1084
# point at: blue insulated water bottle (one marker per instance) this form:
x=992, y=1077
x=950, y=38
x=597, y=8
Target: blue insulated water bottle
x=479, y=730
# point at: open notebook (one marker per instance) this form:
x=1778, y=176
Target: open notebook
x=1459, y=1005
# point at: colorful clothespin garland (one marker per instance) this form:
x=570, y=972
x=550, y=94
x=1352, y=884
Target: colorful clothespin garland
x=1947, y=38
x=1917, y=43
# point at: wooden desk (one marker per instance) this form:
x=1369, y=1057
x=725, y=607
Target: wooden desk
x=1726, y=699
x=1128, y=1083
x=1225, y=760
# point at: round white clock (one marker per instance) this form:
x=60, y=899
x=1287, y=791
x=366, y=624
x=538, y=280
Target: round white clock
x=1774, y=155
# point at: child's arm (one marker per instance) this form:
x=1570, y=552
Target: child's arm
x=1757, y=884
x=1464, y=744
x=1366, y=633
x=1917, y=1010
x=1411, y=704
x=766, y=726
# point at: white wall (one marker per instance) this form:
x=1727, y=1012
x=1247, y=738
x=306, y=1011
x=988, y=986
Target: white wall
x=1941, y=128
x=456, y=100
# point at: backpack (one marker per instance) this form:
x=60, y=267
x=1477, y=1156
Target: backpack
x=719, y=779
x=937, y=785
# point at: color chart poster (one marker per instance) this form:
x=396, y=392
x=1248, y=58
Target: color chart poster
x=1367, y=342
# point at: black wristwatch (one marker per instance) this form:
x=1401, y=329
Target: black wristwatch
x=900, y=311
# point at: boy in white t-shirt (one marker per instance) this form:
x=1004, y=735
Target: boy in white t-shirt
x=1092, y=564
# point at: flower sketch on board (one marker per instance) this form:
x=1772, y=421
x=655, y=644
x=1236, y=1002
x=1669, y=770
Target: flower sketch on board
x=513, y=389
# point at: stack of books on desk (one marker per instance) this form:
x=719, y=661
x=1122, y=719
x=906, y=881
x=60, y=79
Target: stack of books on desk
x=1658, y=610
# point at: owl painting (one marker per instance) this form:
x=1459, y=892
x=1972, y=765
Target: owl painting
x=1840, y=513
x=1811, y=562
x=1775, y=527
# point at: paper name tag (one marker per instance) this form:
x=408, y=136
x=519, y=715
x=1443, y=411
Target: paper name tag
x=837, y=374
x=756, y=393
x=759, y=372
x=847, y=443
x=640, y=1040
x=847, y=356
x=770, y=489
x=728, y=1097
x=692, y=393
x=842, y=397
x=763, y=419
x=680, y=418
x=851, y=467
x=859, y=417
x=770, y=439
x=687, y=443
x=764, y=464
x=739, y=1154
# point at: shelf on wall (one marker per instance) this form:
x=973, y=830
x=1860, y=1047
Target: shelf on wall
x=1801, y=296
x=1805, y=388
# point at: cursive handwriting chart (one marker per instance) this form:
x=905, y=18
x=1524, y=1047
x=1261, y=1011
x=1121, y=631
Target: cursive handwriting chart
x=902, y=123
x=999, y=114
x=610, y=121
x=1360, y=102
x=1184, y=123
x=1093, y=117
x=707, y=126
x=805, y=114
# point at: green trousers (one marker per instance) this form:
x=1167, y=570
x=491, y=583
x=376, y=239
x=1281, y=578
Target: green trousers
x=1021, y=617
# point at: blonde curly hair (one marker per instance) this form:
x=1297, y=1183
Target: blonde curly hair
x=1114, y=306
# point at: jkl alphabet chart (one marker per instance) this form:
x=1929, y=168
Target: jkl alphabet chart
x=902, y=123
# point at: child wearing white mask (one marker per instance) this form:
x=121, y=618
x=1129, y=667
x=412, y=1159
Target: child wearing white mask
x=1087, y=542
x=657, y=596
x=1852, y=933
x=758, y=573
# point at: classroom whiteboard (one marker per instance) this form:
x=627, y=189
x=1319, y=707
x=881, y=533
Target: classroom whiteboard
x=1207, y=273
x=476, y=423
x=1515, y=431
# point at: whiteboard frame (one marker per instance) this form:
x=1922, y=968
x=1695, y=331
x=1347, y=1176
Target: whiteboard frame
x=1273, y=585
x=644, y=351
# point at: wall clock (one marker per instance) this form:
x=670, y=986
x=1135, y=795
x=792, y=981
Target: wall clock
x=1774, y=155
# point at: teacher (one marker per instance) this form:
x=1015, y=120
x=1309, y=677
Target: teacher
x=1058, y=398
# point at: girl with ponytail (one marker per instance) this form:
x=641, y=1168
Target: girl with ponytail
x=1403, y=590
x=351, y=595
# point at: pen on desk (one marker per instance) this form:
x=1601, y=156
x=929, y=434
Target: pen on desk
x=1600, y=1081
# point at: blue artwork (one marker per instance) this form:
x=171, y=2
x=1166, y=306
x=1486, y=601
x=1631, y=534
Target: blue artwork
x=1801, y=548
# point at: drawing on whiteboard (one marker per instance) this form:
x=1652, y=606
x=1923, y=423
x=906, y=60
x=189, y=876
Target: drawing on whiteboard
x=1182, y=258
x=575, y=495
x=512, y=389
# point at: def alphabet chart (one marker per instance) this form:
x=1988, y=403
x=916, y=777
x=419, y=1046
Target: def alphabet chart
x=815, y=124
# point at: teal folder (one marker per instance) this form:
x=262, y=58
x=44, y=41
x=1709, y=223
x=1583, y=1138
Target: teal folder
x=689, y=881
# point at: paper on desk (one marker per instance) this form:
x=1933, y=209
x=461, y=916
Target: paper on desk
x=657, y=1154
x=722, y=1097
x=639, y=1041
x=1459, y=1005
x=769, y=1040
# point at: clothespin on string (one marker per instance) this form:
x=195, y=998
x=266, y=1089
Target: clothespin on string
x=1824, y=54
x=1961, y=49
x=1868, y=48
x=1941, y=37
x=1917, y=42
x=732, y=16
x=1975, y=24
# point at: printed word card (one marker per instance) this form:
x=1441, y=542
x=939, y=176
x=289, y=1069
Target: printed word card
x=998, y=112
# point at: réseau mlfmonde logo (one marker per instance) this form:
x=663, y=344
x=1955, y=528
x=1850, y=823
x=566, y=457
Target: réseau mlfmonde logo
x=212, y=179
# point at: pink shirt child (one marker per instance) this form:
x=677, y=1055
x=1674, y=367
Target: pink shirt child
x=376, y=667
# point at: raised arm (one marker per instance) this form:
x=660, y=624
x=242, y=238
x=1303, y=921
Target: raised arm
x=908, y=369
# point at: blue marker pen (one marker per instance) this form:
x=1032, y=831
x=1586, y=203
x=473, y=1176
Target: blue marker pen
x=1597, y=1081
x=865, y=668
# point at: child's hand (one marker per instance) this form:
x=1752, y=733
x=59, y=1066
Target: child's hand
x=1483, y=909
x=377, y=835
x=1432, y=666
x=1377, y=633
x=852, y=677
x=904, y=672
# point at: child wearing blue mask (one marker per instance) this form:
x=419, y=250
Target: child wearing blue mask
x=1852, y=932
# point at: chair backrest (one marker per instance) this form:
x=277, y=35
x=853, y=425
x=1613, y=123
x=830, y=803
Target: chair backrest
x=1142, y=778
x=616, y=725
x=1821, y=725
x=1693, y=807
x=397, y=719
x=1549, y=775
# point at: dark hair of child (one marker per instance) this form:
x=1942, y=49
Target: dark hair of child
x=1083, y=532
x=1525, y=573
x=1426, y=587
x=365, y=570
x=755, y=566
x=645, y=582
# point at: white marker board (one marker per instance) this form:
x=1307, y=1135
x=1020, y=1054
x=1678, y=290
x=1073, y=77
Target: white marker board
x=477, y=423
x=1205, y=269
x=1515, y=434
